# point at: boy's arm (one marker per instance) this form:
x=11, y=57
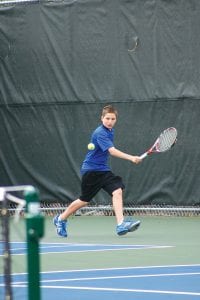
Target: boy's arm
x=117, y=153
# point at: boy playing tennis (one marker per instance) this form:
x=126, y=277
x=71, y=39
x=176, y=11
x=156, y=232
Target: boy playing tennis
x=96, y=175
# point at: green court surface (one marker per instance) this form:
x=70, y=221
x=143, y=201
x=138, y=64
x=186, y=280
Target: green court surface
x=180, y=233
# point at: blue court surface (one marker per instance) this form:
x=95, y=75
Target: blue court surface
x=19, y=248
x=172, y=282
x=152, y=283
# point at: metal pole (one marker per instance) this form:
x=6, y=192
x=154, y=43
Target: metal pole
x=34, y=231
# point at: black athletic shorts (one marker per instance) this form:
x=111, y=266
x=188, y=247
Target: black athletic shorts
x=93, y=181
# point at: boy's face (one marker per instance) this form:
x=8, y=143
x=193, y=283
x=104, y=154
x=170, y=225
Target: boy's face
x=109, y=120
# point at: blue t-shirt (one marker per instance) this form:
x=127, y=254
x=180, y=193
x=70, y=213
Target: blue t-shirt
x=97, y=159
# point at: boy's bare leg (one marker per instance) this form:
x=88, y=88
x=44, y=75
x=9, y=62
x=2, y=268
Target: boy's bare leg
x=126, y=226
x=72, y=208
x=118, y=205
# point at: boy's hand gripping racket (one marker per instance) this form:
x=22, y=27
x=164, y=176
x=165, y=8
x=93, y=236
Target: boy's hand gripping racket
x=164, y=142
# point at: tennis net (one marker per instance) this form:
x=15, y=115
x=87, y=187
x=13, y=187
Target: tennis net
x=15, y=241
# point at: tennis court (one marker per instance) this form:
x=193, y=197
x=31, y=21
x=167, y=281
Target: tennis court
x=68, y=67
x=158, y=261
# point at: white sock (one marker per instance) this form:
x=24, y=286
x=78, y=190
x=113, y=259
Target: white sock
x=59, y=219
x=120, y=223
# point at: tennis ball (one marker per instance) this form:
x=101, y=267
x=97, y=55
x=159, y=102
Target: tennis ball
x=91, y=146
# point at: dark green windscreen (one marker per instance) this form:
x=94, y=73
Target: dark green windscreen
x=62, y=61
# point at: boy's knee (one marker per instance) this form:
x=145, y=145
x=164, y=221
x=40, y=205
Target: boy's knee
x=117, y=192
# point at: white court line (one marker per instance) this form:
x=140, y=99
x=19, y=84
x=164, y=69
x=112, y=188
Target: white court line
x=23, y=284
x=88, y=244
x=127, y=290
x=113, y=277
x=125, y=276
x=55, y=245
x=121, y=268
x=107, y=249
x=115, y=290
x=111, y=269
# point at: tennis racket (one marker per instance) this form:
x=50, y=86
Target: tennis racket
x=164, y=142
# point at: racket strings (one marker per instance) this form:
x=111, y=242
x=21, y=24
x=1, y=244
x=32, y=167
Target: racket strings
x=166, y=140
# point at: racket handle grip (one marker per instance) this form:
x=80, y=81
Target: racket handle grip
x=143, y=155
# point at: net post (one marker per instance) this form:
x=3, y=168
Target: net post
x=34, y=231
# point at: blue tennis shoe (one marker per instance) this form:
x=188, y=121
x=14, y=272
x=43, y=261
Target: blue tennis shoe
x=127, y=226
x=61, y=226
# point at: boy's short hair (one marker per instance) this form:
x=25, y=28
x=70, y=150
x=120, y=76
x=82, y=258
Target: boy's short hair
x=109, y=109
